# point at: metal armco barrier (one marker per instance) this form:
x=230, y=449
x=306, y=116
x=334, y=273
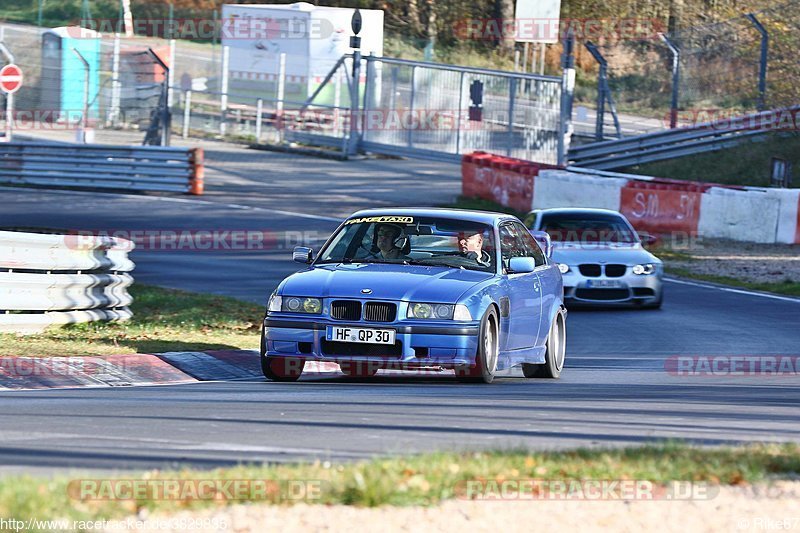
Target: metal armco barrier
x=61, y=279
x=684, y=141
x=96, y=166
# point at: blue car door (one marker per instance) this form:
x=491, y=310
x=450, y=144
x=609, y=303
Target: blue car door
x=548, y=277
x=524, y=293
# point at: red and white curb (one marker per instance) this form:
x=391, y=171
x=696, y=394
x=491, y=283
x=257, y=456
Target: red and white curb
x=23, y=373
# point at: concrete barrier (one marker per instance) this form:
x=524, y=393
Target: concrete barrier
x=652, y=204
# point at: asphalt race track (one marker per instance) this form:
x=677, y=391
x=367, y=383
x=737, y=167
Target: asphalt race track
x=617, y=388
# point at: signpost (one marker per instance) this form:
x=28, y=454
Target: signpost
x=10, y=82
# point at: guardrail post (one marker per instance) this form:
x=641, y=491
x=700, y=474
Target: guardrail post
x=762, y=69
x=196, y=179
x=187, y=112
x=223, y=100
x=259, y=112
x=676, y=78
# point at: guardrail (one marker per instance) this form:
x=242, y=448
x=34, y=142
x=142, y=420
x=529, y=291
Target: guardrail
x=669, y=144
x=50, y=279
x=97, y=166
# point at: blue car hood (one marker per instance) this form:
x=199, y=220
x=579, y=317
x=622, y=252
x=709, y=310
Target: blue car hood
x=388, y=282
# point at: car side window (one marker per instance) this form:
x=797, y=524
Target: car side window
x=529, y=244
x=509, y=244
x=530, y=219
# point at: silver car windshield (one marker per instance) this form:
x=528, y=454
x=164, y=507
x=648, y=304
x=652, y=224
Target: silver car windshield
x=430, y=241
x=587, y=228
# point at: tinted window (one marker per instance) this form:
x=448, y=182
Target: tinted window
x=587, y=227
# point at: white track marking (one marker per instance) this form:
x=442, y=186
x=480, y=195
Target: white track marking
x=736, y=291
x=177, y=200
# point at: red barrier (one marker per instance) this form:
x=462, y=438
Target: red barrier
x=663, y=206
x=504, y=180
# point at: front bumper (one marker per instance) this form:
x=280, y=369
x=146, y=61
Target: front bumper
x=632, y=289
x=417, y=344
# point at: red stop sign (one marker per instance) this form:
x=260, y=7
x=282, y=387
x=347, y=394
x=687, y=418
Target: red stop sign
x=10, y=78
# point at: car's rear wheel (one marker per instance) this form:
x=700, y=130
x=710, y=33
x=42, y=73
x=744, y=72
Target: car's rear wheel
x=282, y=368
x=555, y=353
x=486, y=357
x=359, y=369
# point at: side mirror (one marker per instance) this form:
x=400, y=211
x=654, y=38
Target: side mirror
x=648, y=238
x=302, y=254
x=521, y=265
x=545, y=243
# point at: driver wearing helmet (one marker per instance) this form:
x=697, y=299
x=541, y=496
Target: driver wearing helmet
x=390, y=243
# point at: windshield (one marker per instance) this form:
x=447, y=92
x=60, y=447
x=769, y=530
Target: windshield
x=430, y=241
x=587, y=228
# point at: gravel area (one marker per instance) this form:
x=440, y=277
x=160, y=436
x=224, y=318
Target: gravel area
x=759, y=263
x=747, y=508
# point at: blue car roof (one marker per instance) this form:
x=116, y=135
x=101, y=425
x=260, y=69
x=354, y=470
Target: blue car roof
x=485, y=217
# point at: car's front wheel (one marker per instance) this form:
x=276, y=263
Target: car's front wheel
x=486, y=357
x=556, y=349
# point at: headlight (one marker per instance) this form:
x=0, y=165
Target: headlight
x=563, y=268
x=299, y=304
x=275, y=303
x=644, y=270
x=438, y=311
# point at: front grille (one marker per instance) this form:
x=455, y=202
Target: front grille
x=379, y=312
x=615, y=271
x=590, y=270
x=346, y=310
x=361, y=349
x=602, y=294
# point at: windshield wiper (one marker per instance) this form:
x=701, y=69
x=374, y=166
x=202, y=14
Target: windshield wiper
x=423, y=262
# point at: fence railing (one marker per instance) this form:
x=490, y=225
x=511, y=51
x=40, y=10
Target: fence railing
x=669, y=144
x=48, y=279
x=97, y=166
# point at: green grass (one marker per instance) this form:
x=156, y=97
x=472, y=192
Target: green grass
x=787, y=287
x=164, y=320
x=417, y=480
x=746, y=164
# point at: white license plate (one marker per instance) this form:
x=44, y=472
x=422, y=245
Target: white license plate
x=605, y=284
x=363, y=335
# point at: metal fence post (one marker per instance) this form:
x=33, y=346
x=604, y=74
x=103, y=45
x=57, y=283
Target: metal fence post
x=352, y=147
x=676, y=78
x=85, y=114
x=460, y=108
x=259, y=113
x=10, y=96
x=187, y=112
x=762, y=68
x=601, y=89
x=567, y=86
x=116, y=86
x=223, y=100
x=171, y=73
x=411, y=100
x=512, y=93
x=281, y=90
x=337, y=102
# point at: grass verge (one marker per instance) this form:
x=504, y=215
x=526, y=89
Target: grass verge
x=745, y=164
x=416, y=480
x=164, y=320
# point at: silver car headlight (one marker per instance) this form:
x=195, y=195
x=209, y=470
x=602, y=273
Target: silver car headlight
x=563, y=268
x=438, y=311
x=301, y=304
x=644, y=270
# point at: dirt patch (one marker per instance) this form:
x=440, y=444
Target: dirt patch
x=757, y=263
x=749, y=508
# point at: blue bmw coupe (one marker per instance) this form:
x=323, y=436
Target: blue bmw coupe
x=421, y=289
